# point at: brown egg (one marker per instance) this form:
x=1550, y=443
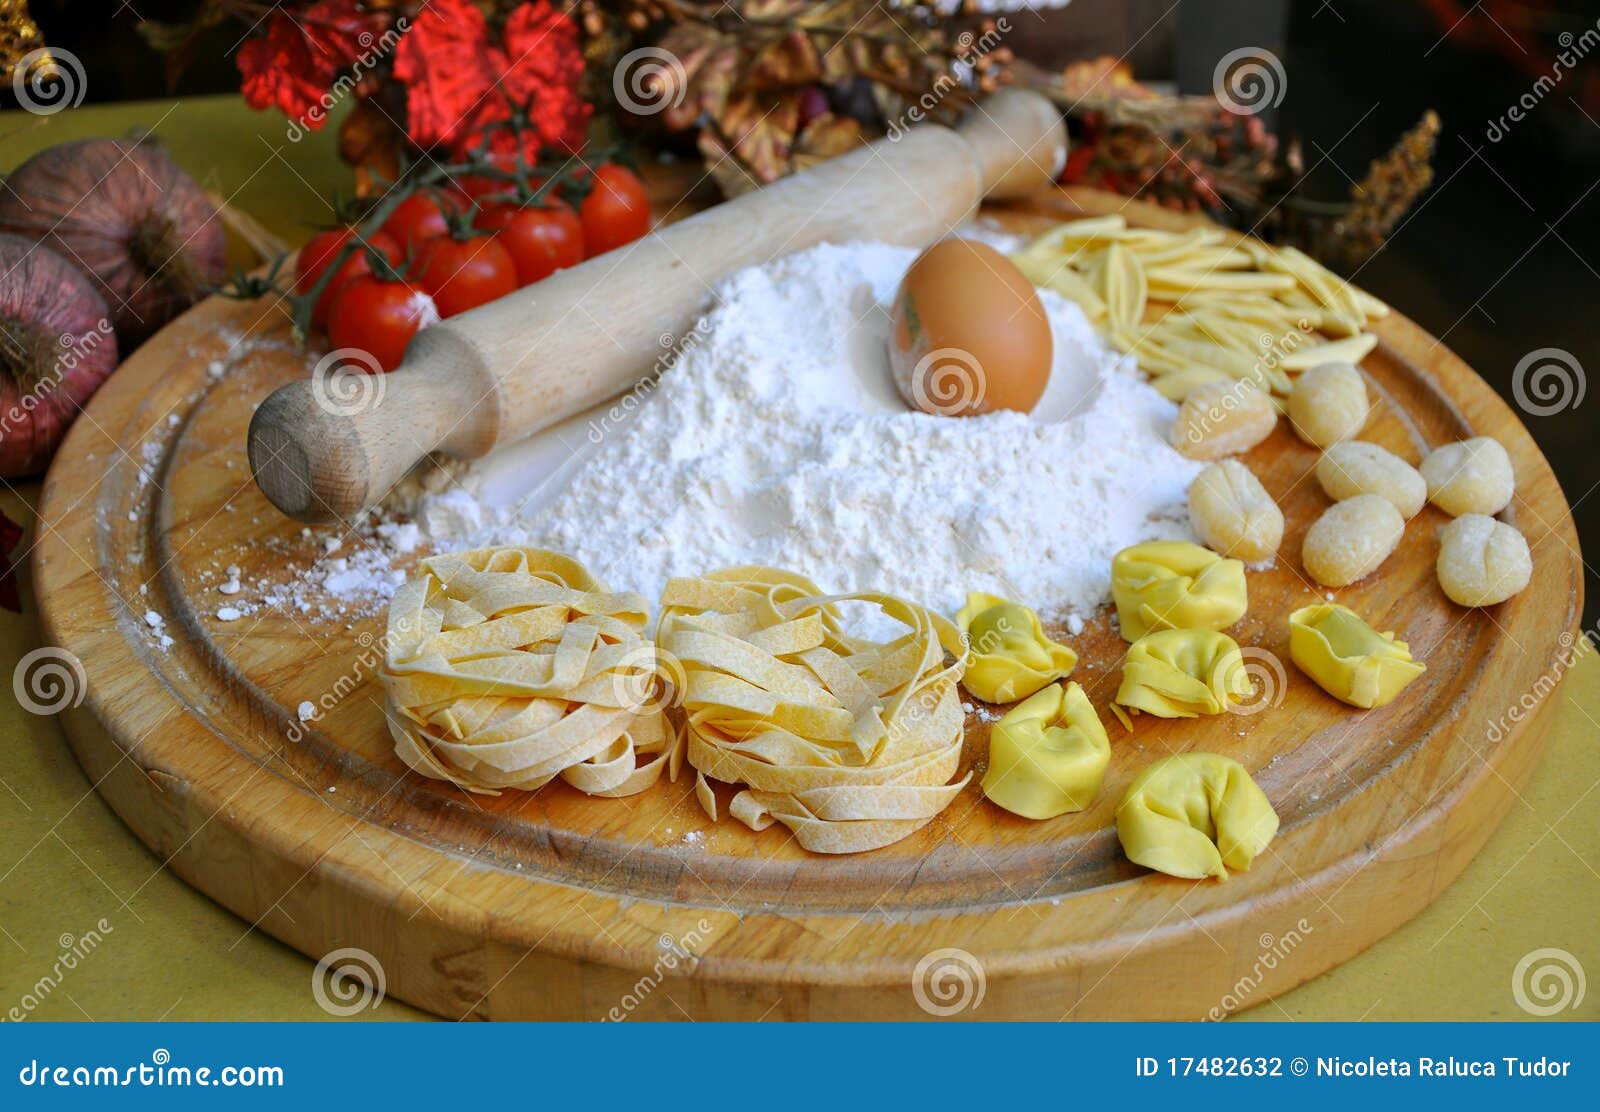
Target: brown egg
x=968, y=333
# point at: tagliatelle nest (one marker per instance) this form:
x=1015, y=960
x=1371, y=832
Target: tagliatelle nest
x=849, y=743
x=508, y=667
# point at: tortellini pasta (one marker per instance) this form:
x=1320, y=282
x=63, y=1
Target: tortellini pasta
x=1348, y=658
x=1175, y=585
x=1195, y=815
x=1048, y=755
x=1182, y=673
x=1009, y=656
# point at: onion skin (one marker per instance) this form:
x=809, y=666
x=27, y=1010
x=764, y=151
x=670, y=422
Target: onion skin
x=56, y=348
x=129, y=218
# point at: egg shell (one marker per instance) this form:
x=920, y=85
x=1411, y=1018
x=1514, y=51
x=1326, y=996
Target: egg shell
x=969, y=334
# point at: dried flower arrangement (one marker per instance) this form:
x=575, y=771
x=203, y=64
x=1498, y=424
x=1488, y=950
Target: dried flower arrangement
x=763, y=87
x=1192, y=153
x=758, y=89
x=767, y=87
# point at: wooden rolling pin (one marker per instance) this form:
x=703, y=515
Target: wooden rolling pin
x=510, y=368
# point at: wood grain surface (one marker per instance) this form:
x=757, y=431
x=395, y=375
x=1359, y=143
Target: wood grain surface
x=555, y=905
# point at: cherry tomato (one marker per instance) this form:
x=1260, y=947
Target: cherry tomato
x=480, y=189
x=379, y=317
x=318, y=254
x=419, y=217
x=616, y=211
x=462, y=274
x=540, y=241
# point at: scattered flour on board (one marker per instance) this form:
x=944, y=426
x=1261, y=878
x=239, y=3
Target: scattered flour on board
x=776, y=437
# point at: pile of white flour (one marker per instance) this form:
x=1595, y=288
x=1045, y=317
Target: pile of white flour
x=776, y=436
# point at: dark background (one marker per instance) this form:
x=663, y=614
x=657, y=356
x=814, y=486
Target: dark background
x=1499, y=258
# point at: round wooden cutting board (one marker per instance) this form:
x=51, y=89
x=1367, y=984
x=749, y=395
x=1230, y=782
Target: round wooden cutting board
x=555, y=905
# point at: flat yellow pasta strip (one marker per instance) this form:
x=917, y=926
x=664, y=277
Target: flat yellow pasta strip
x=868, y=761
x=1236, y=292
x=508, y=667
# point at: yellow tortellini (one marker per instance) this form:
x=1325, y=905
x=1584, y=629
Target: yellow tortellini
x=1175, y=585
x=1048, y=755
x=1009, y=657
x=1195, y=815
x=1182, y=673
x=1348, y=658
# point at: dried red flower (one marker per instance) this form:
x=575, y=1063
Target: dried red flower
x=449, y=70
x=544, y=71
x=458, y=82
x=296, y=61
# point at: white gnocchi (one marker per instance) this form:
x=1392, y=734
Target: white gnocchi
x=1482, y=561
x=1356, y=467
x=1223, y=419
x=1351, y=539
x=1469, y=477
x=1233, y=514
x=1328, y=404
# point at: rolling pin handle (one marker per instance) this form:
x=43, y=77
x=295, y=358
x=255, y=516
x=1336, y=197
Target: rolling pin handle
x=326, y=448
x=1020, y=139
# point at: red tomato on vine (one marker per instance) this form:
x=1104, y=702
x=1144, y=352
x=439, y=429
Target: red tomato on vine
x=540, y=240
x=379, y=317
x=318, y=254
x=462, y=274
x=419, y=217
x=616, y=211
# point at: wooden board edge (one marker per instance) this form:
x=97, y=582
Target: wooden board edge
x=456, y=972
x=481, y=944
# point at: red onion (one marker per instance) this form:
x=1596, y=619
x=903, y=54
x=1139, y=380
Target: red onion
x=56, y=347
x=127, y=216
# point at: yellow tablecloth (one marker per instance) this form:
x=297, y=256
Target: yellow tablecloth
x=70, y=872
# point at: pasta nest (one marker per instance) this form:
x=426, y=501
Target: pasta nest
x=849, y=743
x=508, y=667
